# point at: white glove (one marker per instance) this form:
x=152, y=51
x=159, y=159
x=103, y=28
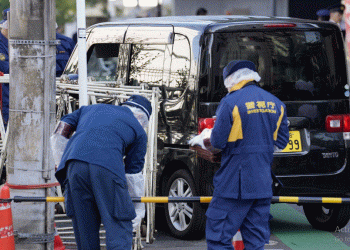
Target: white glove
x=59, y=140
x=136, y=188
x=276, y=149
x=58, y=144
x=199, y=139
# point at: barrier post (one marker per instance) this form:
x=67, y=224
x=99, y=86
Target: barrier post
x=7, y=238
x=237, y=241
x=58, y=244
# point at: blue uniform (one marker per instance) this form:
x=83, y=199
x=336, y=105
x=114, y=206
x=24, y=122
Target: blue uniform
x=63, y=52
x=249, y=123
x=92, y=171
x=4, y=54
x=4, y=67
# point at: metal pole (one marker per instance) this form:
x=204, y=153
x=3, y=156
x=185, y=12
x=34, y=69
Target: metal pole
x=32, y=51
x=347, y=40
x=49, y=105
x=159, y=9
x=81, y=36
x=273, y=9
x=200, y=199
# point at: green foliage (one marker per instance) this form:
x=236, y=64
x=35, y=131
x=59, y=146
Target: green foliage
x=4, y=4
x=119, y=11
x=94, y=2
x=65, y=11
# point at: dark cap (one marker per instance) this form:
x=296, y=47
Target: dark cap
x=201, y=12
x=235, y=65
x=337, y=8
x=323, y=12
x=4, y=15
x=139, y=102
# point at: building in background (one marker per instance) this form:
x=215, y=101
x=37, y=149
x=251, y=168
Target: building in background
x=149, y=8
x=236, y=7
x=285, y=8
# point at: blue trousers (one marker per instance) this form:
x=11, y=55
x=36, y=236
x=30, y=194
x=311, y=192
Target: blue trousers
x=226, y=216
x=93, y=194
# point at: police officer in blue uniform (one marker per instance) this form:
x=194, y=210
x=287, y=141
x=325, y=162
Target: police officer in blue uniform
x=93, y=171
x=336, y=13
x=323, y=15
x=4, y=68
x=250, y=122
x=4, y=65
x=63, y=52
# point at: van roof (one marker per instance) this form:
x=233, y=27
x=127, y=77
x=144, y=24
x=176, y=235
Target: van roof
x=212, y=23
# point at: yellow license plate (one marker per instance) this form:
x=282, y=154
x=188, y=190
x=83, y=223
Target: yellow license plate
x=294, y=144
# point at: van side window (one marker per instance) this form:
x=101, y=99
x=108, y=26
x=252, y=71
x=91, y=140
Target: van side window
x=146, y=65
x=103, y=61
x=180, y=67
x=178, y=112
x=123, y=66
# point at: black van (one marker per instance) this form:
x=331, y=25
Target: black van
x=302, y=62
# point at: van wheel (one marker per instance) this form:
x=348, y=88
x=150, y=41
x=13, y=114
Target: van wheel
x=330, y=217
x=186, y=219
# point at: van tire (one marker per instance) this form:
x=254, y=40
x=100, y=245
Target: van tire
x=192, y=228
x=332, y=217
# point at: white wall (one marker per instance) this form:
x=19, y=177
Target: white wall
x=282, y=8
x=70, y=29
x=221, y=7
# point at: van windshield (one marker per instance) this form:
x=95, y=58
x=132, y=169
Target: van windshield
x=293, y=65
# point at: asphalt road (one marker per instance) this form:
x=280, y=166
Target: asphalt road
x=290, y=230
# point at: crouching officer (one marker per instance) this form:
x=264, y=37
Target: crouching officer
x=93, y=171
x=249, y=123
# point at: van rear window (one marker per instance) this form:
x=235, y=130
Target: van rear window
x=293, y=65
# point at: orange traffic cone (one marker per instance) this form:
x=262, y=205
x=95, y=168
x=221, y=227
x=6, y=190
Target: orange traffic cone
x=7, y=238
x=237, y=241
x=58, y=244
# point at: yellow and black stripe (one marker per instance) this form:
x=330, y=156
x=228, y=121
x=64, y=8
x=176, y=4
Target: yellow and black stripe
x=201, y=199
x=295, y=199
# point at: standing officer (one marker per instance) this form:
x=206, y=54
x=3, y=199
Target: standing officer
x=63, y=52
x=249, y=123
x=323, y=15
x=93, y=170
x=336, y=13
x=4, y=65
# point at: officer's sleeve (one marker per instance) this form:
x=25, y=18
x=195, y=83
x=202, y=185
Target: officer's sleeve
x=222, y=127
x=283, y=131
x=62, y=133
x=4, y=67
x=4, y=59
x=135, y=155
x=72, y=118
